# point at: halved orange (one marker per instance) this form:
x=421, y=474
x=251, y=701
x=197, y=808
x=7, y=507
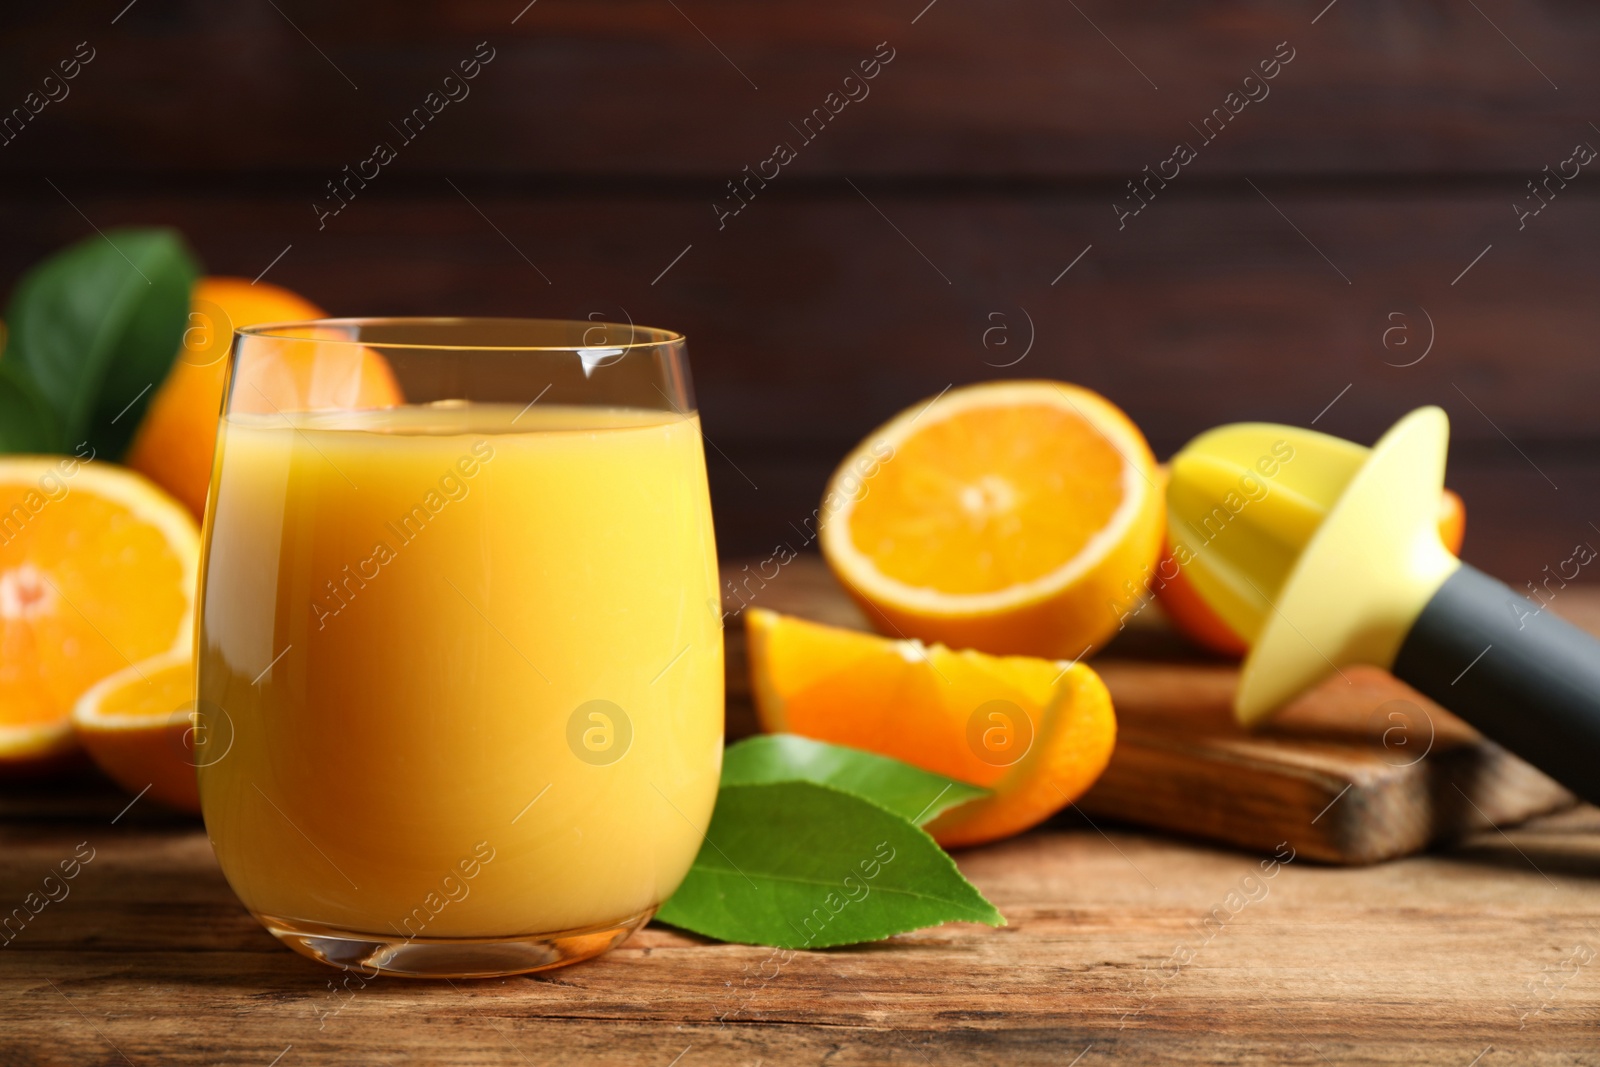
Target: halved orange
x=1192, y=616
x=1007, y=517
x=138, y=726
x=97, y=570
x=1036, y=732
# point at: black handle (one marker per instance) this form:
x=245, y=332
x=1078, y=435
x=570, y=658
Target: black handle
x=1525, y=678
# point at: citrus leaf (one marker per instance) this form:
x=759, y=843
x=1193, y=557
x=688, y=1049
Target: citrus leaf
x=802, y=865
x=26, y=422
x=96, y=328
x=908, y=791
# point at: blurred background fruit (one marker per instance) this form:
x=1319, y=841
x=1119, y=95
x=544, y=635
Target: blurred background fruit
x=174, y=443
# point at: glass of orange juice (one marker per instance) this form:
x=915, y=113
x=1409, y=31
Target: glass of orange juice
x=460, y=649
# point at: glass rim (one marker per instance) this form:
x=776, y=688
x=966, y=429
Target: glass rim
x=274, y=330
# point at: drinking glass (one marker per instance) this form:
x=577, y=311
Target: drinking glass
x=460, y=647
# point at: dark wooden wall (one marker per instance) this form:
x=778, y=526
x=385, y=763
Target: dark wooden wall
x=924, y=226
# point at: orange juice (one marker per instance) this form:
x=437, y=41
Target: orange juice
x=460, y=666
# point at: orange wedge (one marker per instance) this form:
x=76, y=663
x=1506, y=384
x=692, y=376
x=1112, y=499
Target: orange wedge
x=1007, y=517
x=138, y=726
x=97, y=570
x=1036, y=732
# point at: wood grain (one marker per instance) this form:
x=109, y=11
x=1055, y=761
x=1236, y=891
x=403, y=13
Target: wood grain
x=811, y=320
x=987, y=157
x=1370, y=787
x=1024, y=87
x=150, y=959
x=1121, y=947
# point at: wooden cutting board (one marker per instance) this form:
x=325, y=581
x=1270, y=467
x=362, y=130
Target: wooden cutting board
x=1361, y=769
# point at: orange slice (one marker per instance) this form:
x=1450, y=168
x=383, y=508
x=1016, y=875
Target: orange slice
x=138, y=727
x=97, y=570
x=1009, y=517
x=1036, y=732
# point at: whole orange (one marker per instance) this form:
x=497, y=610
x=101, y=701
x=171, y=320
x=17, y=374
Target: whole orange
x=174, y=443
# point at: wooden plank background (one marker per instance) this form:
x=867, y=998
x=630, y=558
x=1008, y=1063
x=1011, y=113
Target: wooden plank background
x=919, y=240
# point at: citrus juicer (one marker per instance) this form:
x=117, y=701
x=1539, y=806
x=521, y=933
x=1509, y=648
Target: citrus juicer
x=1321, y=553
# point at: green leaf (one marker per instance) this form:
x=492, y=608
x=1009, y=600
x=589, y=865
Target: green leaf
x=801, y=865
x=26, y=422
x=96, y=328
x=910, y=792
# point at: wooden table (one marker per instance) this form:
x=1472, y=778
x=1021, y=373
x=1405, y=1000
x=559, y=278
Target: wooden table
x=1487, y=950
x=1122, y=946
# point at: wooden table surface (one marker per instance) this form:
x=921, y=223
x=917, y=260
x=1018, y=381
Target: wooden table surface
x=1485, y=950
x=1123, y=946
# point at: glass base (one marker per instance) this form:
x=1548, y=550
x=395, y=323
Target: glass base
x=451, y=957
